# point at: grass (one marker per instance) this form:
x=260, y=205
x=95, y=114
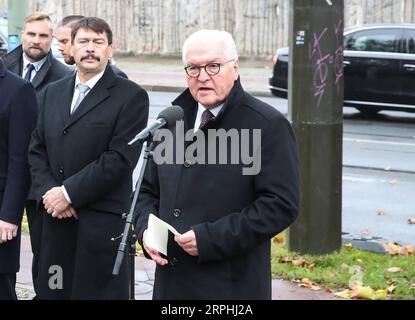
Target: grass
x=25, y=226
x=333, y=271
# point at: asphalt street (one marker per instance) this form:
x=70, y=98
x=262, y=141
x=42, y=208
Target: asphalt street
x=378, y=170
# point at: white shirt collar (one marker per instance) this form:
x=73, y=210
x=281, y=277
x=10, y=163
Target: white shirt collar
x=215, y=111
x=37, y=64
x=91, y=82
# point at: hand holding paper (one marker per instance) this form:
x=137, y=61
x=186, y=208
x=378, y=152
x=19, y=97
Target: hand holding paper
x=158, y=234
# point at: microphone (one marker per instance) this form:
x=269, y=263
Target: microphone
x=166, y=119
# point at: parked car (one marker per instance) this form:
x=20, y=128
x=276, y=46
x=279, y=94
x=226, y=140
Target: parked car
x=3, y=44
x=379, y=68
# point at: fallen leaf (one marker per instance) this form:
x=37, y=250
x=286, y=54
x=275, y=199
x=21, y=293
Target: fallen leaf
x=411, y=221
x=412, y=286
x=344, y=267
x=363, y=292
x=394, y=249
x=279, y=239
x=348, y=245
x=298, y=262
x=359, y=261
x=365, y=232
x=331, y=274
x=391, y=289
x=306, y=283
x=311, y=266
x=285, y=260
x=381, y=213
x=409, y=249
x=395, y=269
x=345, y=294
x=329, y=289
x=392, y=183
x=315, y=288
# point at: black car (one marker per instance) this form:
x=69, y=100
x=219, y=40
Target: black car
x=3, y=44
x=379, y=68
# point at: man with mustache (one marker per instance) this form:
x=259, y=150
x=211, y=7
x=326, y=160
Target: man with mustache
x=63, y=35
x=81, y=167
x=33, y=61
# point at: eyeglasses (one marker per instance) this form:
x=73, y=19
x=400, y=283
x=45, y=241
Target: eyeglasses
x=211, y=69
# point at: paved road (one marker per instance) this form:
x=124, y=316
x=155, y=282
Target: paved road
x=378, y=170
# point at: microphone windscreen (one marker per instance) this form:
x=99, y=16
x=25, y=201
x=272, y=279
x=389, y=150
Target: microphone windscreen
x=171, y=115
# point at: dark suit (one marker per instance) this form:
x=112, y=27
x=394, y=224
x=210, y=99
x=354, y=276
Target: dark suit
x=52, y=70
x=234, y=216
x=87, y=152
x=18, y=112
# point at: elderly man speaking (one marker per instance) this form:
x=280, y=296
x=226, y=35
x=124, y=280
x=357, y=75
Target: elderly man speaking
x=226, y=218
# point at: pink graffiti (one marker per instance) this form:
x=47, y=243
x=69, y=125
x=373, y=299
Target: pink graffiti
x=323, y=61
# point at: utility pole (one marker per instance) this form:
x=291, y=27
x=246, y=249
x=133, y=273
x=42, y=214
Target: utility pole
x=316, y=109
x=17, y=11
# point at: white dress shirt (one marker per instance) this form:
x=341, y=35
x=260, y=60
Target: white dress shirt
x=215, y=111
x=37, y=66
x=90, y=83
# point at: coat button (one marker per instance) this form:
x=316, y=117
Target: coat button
x=187, y=164
x=177, y=213
x=65, y=132
x=61, y=170
x=173, y=261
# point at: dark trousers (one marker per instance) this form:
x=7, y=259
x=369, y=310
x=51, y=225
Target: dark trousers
x=7, y=286
x=34, y=220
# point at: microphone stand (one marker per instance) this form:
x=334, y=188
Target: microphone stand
x=128, y=236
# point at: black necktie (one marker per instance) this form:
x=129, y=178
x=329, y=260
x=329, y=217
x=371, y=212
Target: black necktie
x=30, y=68
x=206, y=117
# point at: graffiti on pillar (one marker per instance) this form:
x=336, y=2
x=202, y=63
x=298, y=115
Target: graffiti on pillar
x=326, y=62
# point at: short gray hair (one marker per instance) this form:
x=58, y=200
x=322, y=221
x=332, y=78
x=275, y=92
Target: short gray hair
x=212, y=35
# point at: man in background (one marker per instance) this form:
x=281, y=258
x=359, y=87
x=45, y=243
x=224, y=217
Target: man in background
x=33, y=59
x=63, y=35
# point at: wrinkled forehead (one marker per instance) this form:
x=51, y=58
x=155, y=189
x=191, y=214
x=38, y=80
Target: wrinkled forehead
x=205, y=51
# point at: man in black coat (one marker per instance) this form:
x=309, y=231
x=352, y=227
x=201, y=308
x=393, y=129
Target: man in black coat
x=81, y=170
x=18, y=112
x=35, y=51
x=226, y=216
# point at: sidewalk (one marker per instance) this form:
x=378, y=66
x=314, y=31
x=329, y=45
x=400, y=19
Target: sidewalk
x=167, y=74
x=144, y=279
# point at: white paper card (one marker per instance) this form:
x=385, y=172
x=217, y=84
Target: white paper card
x=158, y=233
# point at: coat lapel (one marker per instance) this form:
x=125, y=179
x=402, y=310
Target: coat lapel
x=98, y=94
x=66, y=95
x=40, y=76
x=14, y=61
x=2, y=69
